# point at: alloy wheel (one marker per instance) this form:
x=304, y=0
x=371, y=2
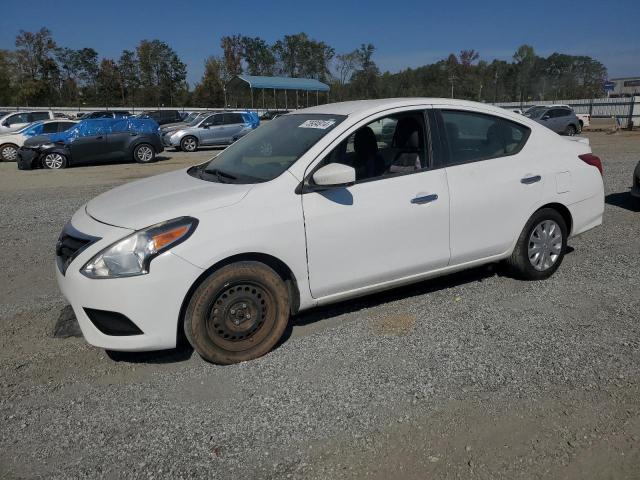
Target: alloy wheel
x=189, y=144
x=54, y=161
x=9, y=153
x=145, y=154
x=545, y=245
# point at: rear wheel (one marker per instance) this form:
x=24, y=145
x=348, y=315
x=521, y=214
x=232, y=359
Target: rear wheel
x=189, y=144
x=540, y=247
x=238, y=313
x=144, y=153
x=54, y=161
x=8, y=152
x=570, y=130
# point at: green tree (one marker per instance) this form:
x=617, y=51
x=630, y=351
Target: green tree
x=258, y=56
x=210, y=91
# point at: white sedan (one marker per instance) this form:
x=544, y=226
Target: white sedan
x=11, y=142
x=313, y=208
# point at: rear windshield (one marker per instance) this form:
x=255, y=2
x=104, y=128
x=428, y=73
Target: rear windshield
x=269, y=150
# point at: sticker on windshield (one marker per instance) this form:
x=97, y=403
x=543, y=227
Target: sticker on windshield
x=321, y=124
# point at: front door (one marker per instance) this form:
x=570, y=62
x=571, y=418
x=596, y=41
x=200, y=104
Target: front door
x=210, y=129
x=392, y=223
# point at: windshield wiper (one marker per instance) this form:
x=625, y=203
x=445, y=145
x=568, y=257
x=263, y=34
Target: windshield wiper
x=223, y=177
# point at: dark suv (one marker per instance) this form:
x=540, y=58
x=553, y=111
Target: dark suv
x=93, y=141
x=163, y=116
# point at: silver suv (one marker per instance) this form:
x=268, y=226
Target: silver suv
x=216, y=129
x=560, y=119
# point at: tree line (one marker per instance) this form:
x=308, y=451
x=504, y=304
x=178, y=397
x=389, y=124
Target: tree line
x=39, y=72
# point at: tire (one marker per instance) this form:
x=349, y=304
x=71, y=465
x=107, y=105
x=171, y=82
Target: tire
x=581, y=126
x=189, y=144
x=55, y=161
x=8, y=152
x=144, y=153
x=238, y=313
x=570, y=131
x=524, y=263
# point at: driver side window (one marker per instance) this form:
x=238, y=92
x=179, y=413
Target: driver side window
x=385, y=147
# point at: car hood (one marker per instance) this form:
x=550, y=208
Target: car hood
x=163, y=197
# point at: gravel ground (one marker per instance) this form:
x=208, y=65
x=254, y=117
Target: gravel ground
x=473, y=375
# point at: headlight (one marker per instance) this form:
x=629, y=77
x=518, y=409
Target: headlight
x=132, y=255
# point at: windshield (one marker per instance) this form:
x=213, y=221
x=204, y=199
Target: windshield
x=270, y=149
x=535, y=112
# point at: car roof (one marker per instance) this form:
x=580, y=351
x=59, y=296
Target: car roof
x=374, y=106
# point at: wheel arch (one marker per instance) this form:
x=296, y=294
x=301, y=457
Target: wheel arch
x=563, y=211
x=281, y=268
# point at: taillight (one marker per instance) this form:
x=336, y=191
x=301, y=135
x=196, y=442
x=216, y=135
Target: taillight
x=592, y=160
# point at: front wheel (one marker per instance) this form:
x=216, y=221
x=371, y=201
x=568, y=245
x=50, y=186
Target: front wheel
x=54, y=161
x=8, y=152
x=238, y=313
x=540, y=247
x=189, y=144
x=144, y=153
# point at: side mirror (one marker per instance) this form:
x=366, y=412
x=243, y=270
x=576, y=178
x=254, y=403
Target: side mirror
x=334, y=175
x=206, y=125
x=545, y=117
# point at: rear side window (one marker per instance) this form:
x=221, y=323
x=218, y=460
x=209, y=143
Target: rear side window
x=121, y=126
x=35, y=116
x=231, y=118
x=560, y=112
x=93, y=128
x=471, y=136
x=50, y=127
x=64, y=126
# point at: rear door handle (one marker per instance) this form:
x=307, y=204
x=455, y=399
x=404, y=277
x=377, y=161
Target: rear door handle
x=424, y=199
x=530, y=180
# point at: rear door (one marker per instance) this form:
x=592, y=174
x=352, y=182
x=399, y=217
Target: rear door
x=118, y=140
x=494, y=181
x=233, y=125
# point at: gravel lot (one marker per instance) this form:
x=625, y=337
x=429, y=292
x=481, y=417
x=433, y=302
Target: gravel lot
x=473, y=375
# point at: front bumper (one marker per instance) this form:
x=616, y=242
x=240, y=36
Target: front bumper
x=27, y=158
x=168, y=142
x=151, y=302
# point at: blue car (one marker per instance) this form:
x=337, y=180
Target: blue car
x=93, y=141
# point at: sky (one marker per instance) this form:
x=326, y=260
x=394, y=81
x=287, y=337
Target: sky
x=405, y=33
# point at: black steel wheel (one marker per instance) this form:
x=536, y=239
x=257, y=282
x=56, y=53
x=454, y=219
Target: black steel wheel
x=238, y=313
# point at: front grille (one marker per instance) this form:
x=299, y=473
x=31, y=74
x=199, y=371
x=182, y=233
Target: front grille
x=70, y=243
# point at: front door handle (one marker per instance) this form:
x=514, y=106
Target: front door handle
x=424, y=199
x=530, y=180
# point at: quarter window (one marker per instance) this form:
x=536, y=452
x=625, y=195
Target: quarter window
x=471, y=136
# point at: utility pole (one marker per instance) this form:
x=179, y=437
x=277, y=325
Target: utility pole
x=452, y=78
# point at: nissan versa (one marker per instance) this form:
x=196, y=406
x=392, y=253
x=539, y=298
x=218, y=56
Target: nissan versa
x=313, y=208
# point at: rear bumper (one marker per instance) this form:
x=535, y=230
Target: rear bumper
x=587, y=214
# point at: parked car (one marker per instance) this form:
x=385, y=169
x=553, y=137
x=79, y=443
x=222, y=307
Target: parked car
x=584, y=118
x=311, y=209
x=11, y=142
x=221, y=128
x=106, y=114
x=560, y=119
x=271, y=114
x=93, y=141
x=163, y=116
x=192, y=118
x=12, y=122
x=635, y=186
